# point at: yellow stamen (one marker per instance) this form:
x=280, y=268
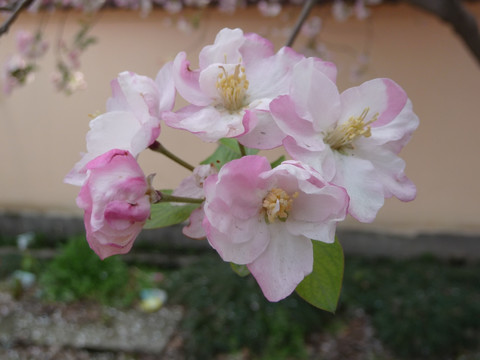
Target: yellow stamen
x=95, y=114
x=277, y=204
x=343, y=136
x=232, y=88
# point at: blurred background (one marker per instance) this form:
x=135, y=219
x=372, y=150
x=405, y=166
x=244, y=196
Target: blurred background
x=411, y=287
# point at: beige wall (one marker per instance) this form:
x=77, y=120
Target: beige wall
x=42, y=132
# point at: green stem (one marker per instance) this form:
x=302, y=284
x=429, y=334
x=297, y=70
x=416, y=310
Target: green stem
x=180, y=199
x=157, y=147
x=242, y=149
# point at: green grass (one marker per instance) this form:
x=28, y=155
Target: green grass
x=77, y=273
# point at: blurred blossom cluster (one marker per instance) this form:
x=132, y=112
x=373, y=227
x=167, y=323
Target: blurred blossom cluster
x=19, y=69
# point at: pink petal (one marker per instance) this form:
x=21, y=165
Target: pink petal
x=284, y=263
x=135, y=93
x=270, y=77
x=255, y=47
x=390, y=172
x=113, y=130
x=359, y=178
x=322, y=160
x=316, y=97
x=242, y=245
x=195, y=229
x=207, y=123
x=186, y=81
x=224, y=50
x=382, y=96
x=301, y=130
x=166, y=87
x=265, y=134
x=397, y=133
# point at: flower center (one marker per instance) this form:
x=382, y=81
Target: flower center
x=343, y=136
x=232, y=87
x=277, y=204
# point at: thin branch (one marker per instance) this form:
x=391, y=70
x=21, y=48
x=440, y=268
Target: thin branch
x=15, y=11
x=462, y=21
x=301, y=19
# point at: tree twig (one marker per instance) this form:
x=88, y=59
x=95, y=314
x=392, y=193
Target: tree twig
x=15, y=11
x=307, y=7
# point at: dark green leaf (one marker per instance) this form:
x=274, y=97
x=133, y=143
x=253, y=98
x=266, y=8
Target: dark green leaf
x=322, y=287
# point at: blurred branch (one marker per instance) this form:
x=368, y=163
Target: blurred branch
x=462, y=21
x=307, y=7
x=15, y=10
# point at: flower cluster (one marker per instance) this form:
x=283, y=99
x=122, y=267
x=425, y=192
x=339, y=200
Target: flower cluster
x=341, y=10
x=343, y=147
x=20, y=68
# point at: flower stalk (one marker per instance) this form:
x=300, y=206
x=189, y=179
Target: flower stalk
x=162, y=197
x=157, y=147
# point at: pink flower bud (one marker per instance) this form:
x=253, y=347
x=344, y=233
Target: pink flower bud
x=116, y=202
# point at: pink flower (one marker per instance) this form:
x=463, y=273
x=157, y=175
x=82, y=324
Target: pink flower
x=230, y=93
x=16, y=72
x=114, y=197
x=31, y=46
x=352, y=139
x=265, y=218
x=192, y=186
x=132, y=120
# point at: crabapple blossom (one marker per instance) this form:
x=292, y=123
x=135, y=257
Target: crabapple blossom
x=192, y=186
x=16, y=72
x=115, y=198
x=229, y=94
x=265, y=218
x=31, y=46
x=132, y=120
x=352, y=138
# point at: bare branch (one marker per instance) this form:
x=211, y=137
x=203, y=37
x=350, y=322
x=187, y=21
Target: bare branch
x=17, y=7
x=462, y=21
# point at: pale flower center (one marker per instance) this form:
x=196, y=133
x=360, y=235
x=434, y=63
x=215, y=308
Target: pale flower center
x=343, y=136
x=277, y=204
x=232, y=88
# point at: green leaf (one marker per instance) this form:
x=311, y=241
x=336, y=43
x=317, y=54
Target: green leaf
x=240, y=270
x=226, y=151
x=322, y=287
x=277, y=162
x=221, y=156
x=165, y=214
x=230, y=143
